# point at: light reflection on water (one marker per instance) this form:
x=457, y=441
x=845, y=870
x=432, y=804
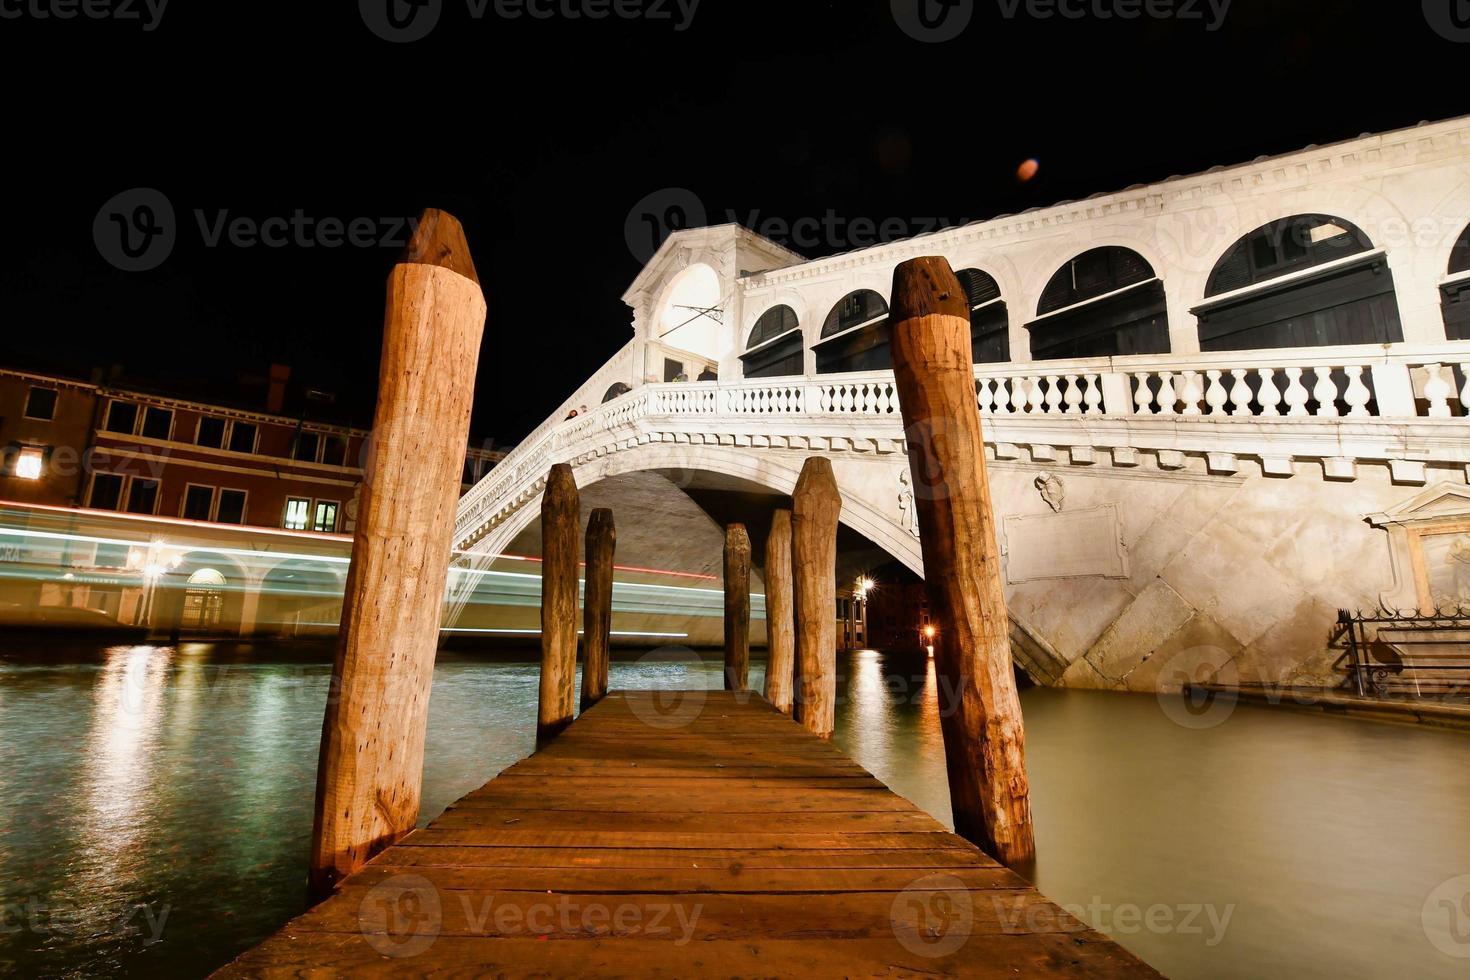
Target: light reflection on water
x=169, y=792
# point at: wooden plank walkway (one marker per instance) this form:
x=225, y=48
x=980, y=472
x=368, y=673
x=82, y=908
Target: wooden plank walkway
x=708, y=836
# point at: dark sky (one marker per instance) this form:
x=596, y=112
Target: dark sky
x=543, y=136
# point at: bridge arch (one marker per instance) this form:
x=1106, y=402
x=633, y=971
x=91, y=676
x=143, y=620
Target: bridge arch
x=773, y=473
x=1306, y=280
x=1455, y=294
x=774, y=348
x=990, y=323
x=1103, y=302
x=856, y=335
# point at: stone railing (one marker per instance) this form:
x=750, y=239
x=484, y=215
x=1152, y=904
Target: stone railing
x=1288, y=400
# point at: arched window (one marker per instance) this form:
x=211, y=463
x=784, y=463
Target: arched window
x=774, y=347
x=856, y=335
x=616, y=391
x=1295, y=283
x=1103, y=302
x=989, y=323
x=1456, y=294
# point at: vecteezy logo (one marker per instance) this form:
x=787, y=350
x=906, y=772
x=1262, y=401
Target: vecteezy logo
x=1182, y=696
x=933, y=916
x=1446, y=917
x=401, y=916
x=1449, y=18
x=400, y=21
x=136, y=230
x=657, y=216
x=933, y=21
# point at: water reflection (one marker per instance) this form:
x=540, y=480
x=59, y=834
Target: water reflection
x=154, y=786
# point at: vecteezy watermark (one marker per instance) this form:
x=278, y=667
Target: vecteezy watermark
x=934, y=916
x=661, y=213
x=405, y=21
x=933, y=21
x=1181, y=690
x=403, y=916
x=1449, y=18
x=147, y=13
x=42, y=917
x=669, y=705
x=137, y=230
x=1446, y=917
x=937, y=21
x=1027, y=914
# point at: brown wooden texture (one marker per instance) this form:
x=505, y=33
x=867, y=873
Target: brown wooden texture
x=737, y=608
x=561, y=522
x=824, y=875
x=602, y=537
x=980, y=713
x=815, y=508
x=371, y=766
x=780, y=624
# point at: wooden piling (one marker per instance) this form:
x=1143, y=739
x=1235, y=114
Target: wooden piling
x=980, y=713
x=370, y=770
x=602, y=536
x=816, y=506
x=737, y=608
x=561, y=519
x=780, y=627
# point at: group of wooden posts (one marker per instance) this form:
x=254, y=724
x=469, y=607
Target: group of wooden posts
x=801, y=594
x=372, y=751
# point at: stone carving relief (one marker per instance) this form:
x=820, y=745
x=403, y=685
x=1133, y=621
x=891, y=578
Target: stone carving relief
x=1429, y=549
x=1052, y=490
x=908, y=516
x=1078, y=544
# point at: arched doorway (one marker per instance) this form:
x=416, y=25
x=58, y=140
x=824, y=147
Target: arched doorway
x=774, y=348
x=989, y=322
x=1105, y=302
x=616, y=391
x=856, y=335
x=204, y=600
x=1310, y=280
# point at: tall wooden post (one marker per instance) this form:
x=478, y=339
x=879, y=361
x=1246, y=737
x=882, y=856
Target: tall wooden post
x=370, y=771
x=737, y=608
x=815, y=507
x=602, y=537
x=780, y=627
x=561, y=519
x=980, y=713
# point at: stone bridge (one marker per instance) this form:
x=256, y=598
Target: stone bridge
x=1170, y=506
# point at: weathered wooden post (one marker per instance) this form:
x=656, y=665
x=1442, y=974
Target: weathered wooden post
x=561, y=519
x=979, y=711
x=602, y=537
x=370, y=771
x=780, y=627
x=737, y=608
x=815, y=507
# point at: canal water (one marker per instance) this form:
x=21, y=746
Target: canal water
x=155, y=808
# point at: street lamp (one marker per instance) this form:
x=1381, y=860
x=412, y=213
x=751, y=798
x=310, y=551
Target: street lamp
x=152, y=563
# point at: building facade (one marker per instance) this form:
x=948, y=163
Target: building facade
x=68, y=442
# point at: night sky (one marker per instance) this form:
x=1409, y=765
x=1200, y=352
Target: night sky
x=543, y=136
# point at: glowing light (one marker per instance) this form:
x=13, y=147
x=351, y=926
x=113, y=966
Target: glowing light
x=1028, y=169
x=29, y=463
x=929, y=632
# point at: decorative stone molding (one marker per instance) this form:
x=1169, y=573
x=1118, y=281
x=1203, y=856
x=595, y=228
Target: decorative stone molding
x=1429, y=545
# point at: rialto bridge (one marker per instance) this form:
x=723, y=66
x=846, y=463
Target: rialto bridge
x=1217, y=409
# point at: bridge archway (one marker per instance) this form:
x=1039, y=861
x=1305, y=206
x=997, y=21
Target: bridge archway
x=990, y=324
x=1104, y=302
x=856, y=335
x=1307, y=280
x=1455, y=294
x=774, y=347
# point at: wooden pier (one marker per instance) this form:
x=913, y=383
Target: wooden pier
x=685, y=834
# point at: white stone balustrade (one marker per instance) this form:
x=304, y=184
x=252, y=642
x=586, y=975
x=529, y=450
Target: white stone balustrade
x=1271, y=404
